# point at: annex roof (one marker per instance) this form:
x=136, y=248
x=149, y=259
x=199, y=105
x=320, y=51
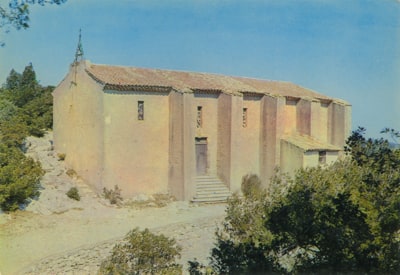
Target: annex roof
x=128, y=78
x=308, y=143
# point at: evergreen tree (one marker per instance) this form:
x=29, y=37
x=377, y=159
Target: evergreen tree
x=28, y=78
x=344, y=218
x=13, y=80
x=19, y=178
x=7, y=110
x=25, y=109
x=28, y=88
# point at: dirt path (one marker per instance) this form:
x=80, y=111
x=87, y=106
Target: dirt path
x=75, y=243
x=59, y=235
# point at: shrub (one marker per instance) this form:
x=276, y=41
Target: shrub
x=114, y=196
x=142, y=252
x=242, y=240
x=343, y=218
x=19, y=178
x=196, y=268
x=7, y=109
x=251, y=185
x=71, y=173
x=73, y=193
x=61, y=156
x=39, y=112
x=13, y=131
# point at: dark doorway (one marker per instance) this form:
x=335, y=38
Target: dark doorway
x=201, y=156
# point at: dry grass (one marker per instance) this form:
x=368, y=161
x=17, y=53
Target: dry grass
x=156, y=200
x=61, y=156
x=71, y=173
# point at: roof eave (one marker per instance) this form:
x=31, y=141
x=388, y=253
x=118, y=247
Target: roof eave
x=137, y=88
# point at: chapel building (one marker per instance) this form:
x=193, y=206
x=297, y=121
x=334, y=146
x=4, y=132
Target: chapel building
x=162, y=131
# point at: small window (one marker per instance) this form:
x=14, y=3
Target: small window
x=140, y=110
x=244, y=116
x=199, y=117
x=322, y=157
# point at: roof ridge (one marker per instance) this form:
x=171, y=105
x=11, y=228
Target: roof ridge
x=194, y=72
x=130, y=76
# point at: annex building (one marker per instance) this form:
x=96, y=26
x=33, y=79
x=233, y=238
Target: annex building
x=158, y=131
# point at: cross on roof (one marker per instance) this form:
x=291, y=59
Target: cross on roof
x=79, y=48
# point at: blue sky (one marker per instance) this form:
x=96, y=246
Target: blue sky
x=345, y=49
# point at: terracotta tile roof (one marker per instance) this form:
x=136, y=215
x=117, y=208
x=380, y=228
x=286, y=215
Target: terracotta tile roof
x=308, y=143
x=127, y=78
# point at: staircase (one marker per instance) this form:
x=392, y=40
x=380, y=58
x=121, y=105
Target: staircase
x=210, y=189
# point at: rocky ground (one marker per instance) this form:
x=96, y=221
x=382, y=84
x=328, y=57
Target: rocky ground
x=58, y=235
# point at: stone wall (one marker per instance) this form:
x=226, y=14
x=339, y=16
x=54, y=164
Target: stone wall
x=249, y=136
x=181, y=148
x=292, y=157
x=224, y=152
x=272, y=129
x=136, y=152
x=78, y=124
x=339, y=123
x=209, y=125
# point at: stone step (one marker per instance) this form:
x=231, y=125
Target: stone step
x=209, y=182
x=214, y=192
x=210, y=189
x=209, y=199
x=207, y=179
x=210, y=185
x=212, y=196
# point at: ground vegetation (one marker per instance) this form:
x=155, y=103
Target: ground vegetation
x=340, y=219
x=26, y=108
x=142, y=252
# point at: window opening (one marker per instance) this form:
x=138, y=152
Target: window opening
x=140, y=110
x=244, y=116
x=322, y=157
x=199, y=117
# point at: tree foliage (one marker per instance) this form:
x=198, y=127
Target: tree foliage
x=29, y=105
x=143, y=252
x=13, y=132
x=13, y=80
x=338, y=219
x=25, y=109
x=19, y=178
x=73, y=193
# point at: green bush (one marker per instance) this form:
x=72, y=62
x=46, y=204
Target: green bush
x=71, y=173
x=251, y=185
x=61, y=156
x=27, y=103
x=7, y=109
x=113, y=195
x=73, y=193
x=142, y=252
x=19, y=178
x=242, y=240
x=25, y=109
x=13, y=131
x=344, y=218
x=38, y=112
x=196, y=268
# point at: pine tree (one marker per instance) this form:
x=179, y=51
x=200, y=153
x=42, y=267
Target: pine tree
x=13, y=80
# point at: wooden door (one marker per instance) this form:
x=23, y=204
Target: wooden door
x=201, y=156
